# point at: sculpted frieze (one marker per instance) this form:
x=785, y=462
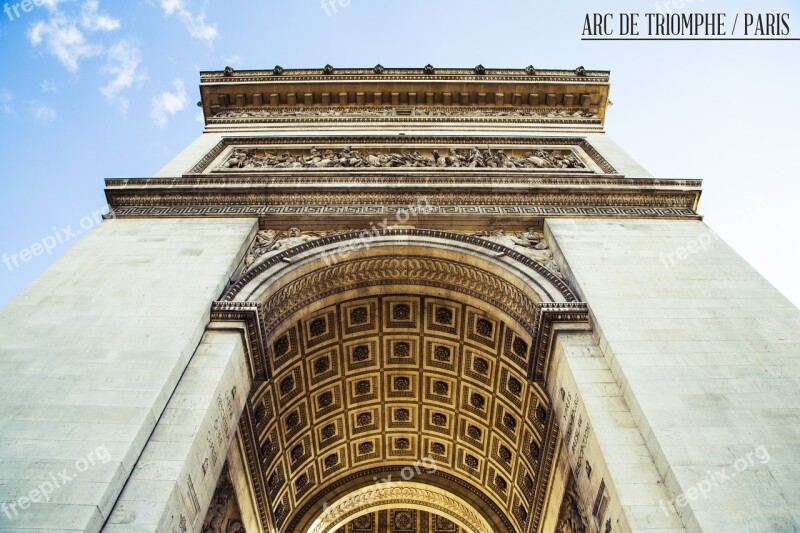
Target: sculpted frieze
x=255, y=159
x=290, y=112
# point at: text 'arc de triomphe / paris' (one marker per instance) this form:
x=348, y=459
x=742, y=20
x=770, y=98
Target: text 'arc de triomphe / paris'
x=417, y=300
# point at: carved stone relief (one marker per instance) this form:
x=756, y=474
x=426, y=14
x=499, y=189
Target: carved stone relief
x=290, y=112
x=253, y=159
x=270, y=242
x=223, y=513
x=530, y=243
x=571, y=517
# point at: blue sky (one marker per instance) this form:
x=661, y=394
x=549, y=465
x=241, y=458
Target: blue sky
x=94, y=89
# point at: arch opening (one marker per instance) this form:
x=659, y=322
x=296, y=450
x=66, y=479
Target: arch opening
x=415, y=348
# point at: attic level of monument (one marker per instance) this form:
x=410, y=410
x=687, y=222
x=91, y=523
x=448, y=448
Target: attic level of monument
x=507, y=145
x=577, y=95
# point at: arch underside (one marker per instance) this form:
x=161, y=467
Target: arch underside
x=407, y=362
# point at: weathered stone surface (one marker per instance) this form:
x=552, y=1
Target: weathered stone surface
x=90, y=354
x=707, y=356
x=174, y=479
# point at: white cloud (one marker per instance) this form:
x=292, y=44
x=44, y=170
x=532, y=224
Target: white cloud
x=42, y=113
x=5, y=102
x=92, y=20
x=49, y=87
x=64, y=34
x=168, y=103
x=195, y=24
x=123, y=60
x=63, y=40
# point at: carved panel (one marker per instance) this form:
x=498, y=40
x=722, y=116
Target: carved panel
x=260, y=159
x=223, y=513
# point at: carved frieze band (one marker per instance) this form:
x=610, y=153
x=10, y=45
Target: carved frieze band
x=253, y=160
x=407, y=142
x=348, y=112
x=249, y=438
x=294, y=115
x=257, y=210
x=466, y=177
x=446, y=202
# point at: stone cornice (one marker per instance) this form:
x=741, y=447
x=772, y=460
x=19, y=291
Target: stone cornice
x=335, y=200
x=487, y=178
x=562, y=75
x=403, y=88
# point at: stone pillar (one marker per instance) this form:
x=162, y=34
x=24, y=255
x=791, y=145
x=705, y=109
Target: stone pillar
x=174, y=480
x=616, y=480
x=706, y=354
x=90, y=354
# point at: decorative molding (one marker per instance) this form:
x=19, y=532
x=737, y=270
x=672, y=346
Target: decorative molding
x=465, y=177
x=269, y=242
x=545, y=469
x=350, y=111
x=250, y=440
x=409, y=112
x=529, y=243
x=458, y=202
x=251, y=314
x=548, y=314
x=258, y=210
x=506, y=120
x=399, y=495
